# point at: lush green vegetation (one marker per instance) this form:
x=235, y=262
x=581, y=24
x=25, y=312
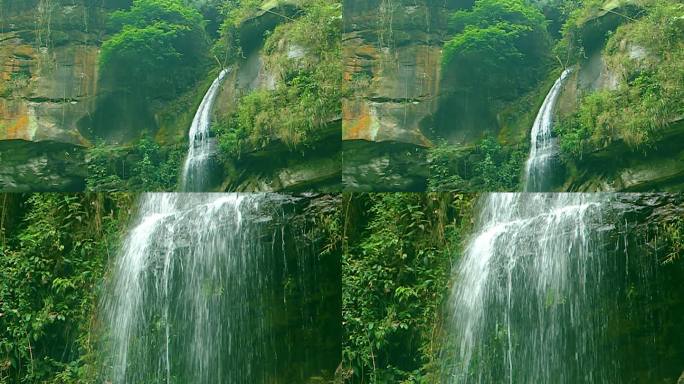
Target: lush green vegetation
x=156, y=55
x=304, y=56
x=499, y=55
x=647, y=56
x=228, y=48
x=673, y=233
x=53, y=252
x=397, y=253
x=499, y=49
x=157, y=49
x=145, y=166
x=488, y=166
x=557, y=12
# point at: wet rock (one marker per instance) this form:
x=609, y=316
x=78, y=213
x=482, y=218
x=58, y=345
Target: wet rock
x=392, y=63
x=41, y=166
x=384, y=166
x=275, y=166
x=617, y=167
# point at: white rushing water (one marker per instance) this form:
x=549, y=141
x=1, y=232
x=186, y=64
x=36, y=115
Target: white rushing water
x=543, y=146
x=187, y=303
x=526, y=304
x=195, y=176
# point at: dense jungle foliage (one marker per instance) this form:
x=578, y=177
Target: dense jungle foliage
x=499, y=48
x=145, y=166
x=53, y=253
x=488, y=167
x=397, y=255
x=156, y=50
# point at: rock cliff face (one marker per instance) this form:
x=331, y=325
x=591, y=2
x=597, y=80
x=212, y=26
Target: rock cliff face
x=48, y=85
x=36, y=167
x=617, y=166
x=392, y=55
x=48, y=67
x=641, y=240
x=275, y=167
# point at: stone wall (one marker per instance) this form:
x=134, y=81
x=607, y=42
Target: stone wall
x=392, y=54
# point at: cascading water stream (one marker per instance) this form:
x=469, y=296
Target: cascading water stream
x=543, y=146
x=188, y=302
x=195, y=176
x=527, y=303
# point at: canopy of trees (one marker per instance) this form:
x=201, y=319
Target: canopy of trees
x=157, y=48
x=499, y=47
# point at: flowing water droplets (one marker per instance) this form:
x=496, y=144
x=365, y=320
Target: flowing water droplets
x=187, y=301
x=525, y=306
x=202, y=146
x=543, y=146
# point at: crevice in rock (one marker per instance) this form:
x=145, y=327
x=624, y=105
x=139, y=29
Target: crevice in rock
x=51, y=100
x=399, y=100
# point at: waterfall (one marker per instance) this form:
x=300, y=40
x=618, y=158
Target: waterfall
x=543, y=146
x=192, y=292
x=195, y=176
x=529, y=304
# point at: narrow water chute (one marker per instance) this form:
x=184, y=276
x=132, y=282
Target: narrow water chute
x=543, y=145
x=196, y=171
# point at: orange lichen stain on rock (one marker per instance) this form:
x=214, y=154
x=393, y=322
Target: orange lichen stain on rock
x=14, y=58
x=367, y=51
x=24, y=50
x=14, y=120
x=355, y=123
x=18, y=128
x=359, y=59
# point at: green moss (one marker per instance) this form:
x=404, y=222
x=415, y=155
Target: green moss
x=516, y=118
x=176, y=116
x=674, y=239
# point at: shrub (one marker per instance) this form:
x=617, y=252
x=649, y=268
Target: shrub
x=156, y=50
x=499, y=47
